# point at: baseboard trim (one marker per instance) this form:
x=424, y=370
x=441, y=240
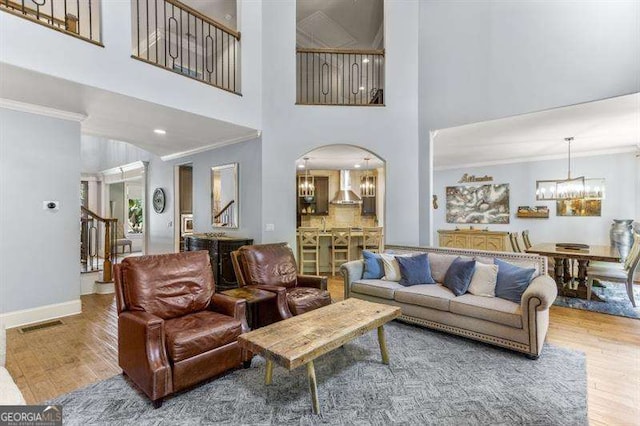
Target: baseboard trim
x=41, y=313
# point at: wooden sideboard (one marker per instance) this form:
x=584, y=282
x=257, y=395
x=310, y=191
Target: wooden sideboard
x=473, y=239
x=219, y=249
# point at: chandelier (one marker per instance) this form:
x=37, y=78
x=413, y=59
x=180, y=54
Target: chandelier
x=367, y=182
x=306, y=186
x=571, y=188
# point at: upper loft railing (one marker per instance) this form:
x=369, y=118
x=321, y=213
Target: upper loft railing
x=172, y=35
x=340, y=77
x=78, y=18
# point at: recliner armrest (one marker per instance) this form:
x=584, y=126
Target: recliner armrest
x=142, y=352
x=230, y=306
x=281, y=299
x=315, y=281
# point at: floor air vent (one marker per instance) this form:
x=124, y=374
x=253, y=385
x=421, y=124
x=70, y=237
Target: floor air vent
x=49, y=324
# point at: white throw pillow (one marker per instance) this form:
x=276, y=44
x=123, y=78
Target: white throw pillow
x=483, y=282
x=391, y=268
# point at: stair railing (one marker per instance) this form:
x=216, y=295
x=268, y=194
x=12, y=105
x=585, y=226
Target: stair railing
x=89, y=243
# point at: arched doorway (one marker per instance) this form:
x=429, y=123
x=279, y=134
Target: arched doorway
x=338, y=186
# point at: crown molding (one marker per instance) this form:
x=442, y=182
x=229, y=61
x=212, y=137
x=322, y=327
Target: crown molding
x=621, y=150
x=253, y=135
x=41, y=110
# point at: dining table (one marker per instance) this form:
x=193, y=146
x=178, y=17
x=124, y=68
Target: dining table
x=565, y=255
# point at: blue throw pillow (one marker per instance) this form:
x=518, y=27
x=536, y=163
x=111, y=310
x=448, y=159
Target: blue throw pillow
x=415, y=270
x=373, y=269
x=458, y=276
x=512, y=280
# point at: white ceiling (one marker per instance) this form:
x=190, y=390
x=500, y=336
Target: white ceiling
x=120, y=117
x=339, y=157
x=340, y=23
x=609, y=125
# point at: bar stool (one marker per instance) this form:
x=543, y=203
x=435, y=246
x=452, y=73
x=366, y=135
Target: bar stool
x=309, y=245
x=340, y=247
x=371, y=240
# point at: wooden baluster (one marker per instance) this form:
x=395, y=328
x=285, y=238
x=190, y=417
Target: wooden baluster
x=107, y=266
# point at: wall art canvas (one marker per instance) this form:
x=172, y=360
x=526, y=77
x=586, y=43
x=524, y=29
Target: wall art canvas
x=579, y=208
x=478, y=204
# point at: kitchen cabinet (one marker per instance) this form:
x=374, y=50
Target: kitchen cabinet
x=319, y=206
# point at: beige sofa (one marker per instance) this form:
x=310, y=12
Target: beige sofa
x=520, y=327
x=9, y=392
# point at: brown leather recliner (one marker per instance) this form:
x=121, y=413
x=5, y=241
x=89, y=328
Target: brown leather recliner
x=173, y=329
x=273, y=267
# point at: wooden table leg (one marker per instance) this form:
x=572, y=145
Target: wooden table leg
x=313, y=387
x=559, y=272
x=383, y=345
x=269, y=372
x=581, y=291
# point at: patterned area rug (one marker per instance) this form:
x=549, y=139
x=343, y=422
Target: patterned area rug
x=434, y=378
x=617, y=302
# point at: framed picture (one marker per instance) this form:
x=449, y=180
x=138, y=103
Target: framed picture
x=579, y=208
x=478, y=204
x=536, y=212
x=186, y=224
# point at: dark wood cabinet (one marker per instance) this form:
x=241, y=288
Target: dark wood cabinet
x=219, y=249
x=319, y=206
x=368, y=207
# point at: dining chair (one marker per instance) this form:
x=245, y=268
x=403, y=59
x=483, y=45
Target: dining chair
x=616, y=274
x=525, y=239
x=513, y=239
x=309, y=246
x=340, y=247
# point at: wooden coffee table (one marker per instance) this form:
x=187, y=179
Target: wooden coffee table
x=301, y=339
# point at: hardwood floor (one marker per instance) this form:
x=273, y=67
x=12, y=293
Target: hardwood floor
x=53, y=361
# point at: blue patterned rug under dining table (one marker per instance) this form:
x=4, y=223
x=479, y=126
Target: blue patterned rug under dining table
x=616, y=301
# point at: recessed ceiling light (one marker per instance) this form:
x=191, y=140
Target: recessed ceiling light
x=365, y=61
x=228, y=16
x=357, y=166
x=361, y=88
x=301, y=166
x=160, y=131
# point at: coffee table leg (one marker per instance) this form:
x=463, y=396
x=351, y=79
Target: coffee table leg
x=269, y=372
x=313, y=387
x=383, y=345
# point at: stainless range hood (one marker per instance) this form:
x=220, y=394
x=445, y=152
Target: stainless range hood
x=345, y=195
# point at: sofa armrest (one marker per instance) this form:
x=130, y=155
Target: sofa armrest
x=232, y=307
x=351, y=271
x=314, y=281
x=142, y=352
x=544, y=289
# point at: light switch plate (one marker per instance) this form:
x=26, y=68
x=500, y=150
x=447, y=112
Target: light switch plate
x=270, y=227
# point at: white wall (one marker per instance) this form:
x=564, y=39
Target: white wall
x=619, y=170
x=111, y=67
x=39, y=249
x=100, y=154
x=391, y=132
x=481, y=60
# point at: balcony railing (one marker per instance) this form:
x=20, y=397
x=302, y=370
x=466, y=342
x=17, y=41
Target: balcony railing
x=79, y=18
x=174, y=36
x=340, y=77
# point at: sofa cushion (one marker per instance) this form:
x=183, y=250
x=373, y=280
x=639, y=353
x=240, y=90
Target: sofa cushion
x=305, y=299
x=415, y=270
x=376, y=288
x=168, y=285
x=458, y=277
x=197, y=333
x=373, y=267
x=512, y=280
x=483, y=282
x=391, y=268
x=492, y=309
x=433, y=296
x=440, y=264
